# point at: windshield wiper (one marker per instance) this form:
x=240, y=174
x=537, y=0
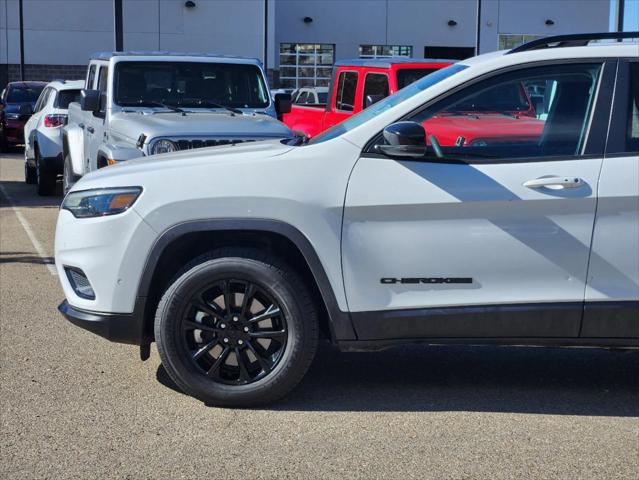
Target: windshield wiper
x=208, y=104
x=148, y=103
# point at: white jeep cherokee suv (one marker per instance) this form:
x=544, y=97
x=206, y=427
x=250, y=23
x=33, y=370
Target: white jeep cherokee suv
x=236, y=259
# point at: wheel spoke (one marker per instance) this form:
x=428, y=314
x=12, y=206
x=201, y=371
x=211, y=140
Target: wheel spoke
x=203, y=306
x=270, y=312
x=201, y=351
x=266, y=366
x=246, y=301
x=227, y=296
x=244, y=374
x=270, y=334
x=213, y=371
x=191, y=325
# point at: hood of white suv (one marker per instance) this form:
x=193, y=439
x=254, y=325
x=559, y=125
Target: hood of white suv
x=198, y=124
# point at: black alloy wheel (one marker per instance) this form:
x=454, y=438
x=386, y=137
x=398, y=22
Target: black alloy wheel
x=237, y=327
x=234, y=332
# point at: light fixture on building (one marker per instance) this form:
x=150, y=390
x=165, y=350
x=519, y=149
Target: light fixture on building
x=549, y=22
x=452, y=23
x=308, y=19
x=189, y=4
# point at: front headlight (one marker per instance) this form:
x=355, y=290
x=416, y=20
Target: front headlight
x=163, y=146
x=100, y=202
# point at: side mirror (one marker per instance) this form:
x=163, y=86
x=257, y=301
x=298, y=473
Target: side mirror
x=404, y=139
x=283, y=103
x=371, y=99
x=90, y=100
x=25, y=109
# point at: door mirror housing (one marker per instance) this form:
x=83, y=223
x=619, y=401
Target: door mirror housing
x=371, y=99
x=90, y=100
x=404, y=139
x=283, y=103
x=26, y=109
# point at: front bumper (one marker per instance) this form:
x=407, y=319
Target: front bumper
x=116, y=327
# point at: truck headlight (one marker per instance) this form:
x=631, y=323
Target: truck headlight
x=163, y=146
x=100, y=202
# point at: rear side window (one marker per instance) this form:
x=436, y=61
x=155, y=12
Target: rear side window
x=346, y=87
x=406, y=76
x=632, y=133
x=65, y=97
x=375, y=85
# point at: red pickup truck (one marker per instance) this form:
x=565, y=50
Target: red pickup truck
x=356, y=85
x=497, y=116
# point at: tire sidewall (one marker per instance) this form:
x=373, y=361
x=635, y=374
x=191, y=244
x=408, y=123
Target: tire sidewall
x=194, y=382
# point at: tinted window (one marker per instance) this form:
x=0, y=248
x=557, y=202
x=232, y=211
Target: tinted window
x=376, y=85
x=90, y=77
x=322, y=97
x=190, y=84
x=302, y=98
x=632, y=134
x=346, y=87
x=496, y=119
x=23, y=94
x=103, y=79
x=65, y=97
x=406, y=76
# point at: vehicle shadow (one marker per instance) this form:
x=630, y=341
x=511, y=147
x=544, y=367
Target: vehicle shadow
x=25, y=196
x=569, y=381
x=25, y=257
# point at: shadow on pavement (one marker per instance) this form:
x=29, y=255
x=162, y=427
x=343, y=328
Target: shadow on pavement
x=25, y=257
x=569, y=381
x=25, y=196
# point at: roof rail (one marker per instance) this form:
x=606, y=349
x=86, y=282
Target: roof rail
x=574, y=40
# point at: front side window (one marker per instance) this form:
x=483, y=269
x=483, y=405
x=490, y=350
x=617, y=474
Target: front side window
x=306, y=64
x=346, y=88
x=632, y=129
x=103, y=79
x=90, y=77
x=190, y=84
x=540, y=111
x=375, y=87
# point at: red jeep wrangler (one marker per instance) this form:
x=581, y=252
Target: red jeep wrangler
x=356, y=85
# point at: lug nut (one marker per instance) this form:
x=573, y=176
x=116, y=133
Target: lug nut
x=246, y=329
x=226, y=340
x=235, y=319
x=222, y=325
x=240, y=342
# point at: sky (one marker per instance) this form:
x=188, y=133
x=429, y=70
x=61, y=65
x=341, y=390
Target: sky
x=631, y=16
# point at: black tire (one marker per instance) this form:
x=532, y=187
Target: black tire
x=4, y=145
x=269, y=276
x=29, y=174
x=68, y=177
x=45, y=181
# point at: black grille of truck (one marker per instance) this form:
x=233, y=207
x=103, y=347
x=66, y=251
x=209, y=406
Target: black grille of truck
x=196, y=143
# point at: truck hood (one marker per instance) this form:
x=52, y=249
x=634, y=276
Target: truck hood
x=126, y=172
x=197, y=124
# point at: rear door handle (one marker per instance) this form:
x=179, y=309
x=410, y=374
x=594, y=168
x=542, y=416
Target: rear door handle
x=90, y=129
x=555, y=183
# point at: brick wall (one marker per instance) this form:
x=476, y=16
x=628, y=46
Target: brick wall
x=42, y=72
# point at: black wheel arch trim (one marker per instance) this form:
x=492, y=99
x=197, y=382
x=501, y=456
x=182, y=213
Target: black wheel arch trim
x=341, y=327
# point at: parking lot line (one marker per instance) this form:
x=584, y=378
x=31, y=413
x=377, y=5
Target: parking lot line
x=27, y=228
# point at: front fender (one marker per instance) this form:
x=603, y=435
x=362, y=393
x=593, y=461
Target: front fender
x=114, y=153
x=73, y=142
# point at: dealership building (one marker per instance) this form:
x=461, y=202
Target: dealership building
x=298, y=40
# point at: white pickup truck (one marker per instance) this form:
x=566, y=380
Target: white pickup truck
x=137, y=104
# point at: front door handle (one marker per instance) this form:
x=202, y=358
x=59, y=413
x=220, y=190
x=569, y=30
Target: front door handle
x=81, y=125
x=555, y=183
x=90, y=129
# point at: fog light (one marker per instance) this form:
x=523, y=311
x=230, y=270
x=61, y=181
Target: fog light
x=80, y=283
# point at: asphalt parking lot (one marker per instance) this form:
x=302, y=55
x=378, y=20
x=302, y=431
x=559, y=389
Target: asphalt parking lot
x=75, y=405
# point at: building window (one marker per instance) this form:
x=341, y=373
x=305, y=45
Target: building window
x=306, y=64
x=449, y=53
x=382, y=51
x=509, y=41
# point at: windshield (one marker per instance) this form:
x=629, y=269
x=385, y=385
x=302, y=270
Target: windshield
x=24, y=94
x=190, y=84
x=387, y=103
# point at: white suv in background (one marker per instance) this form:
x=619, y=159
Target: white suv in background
x=43, y=160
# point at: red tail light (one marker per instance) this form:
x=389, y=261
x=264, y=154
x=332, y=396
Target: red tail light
x=55, y=120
